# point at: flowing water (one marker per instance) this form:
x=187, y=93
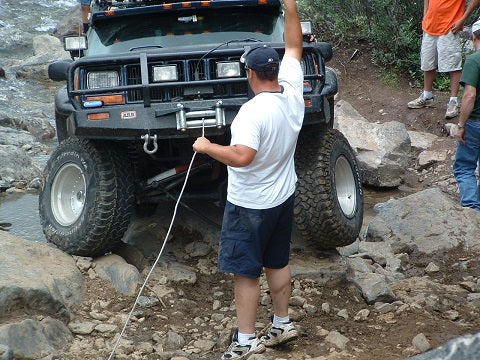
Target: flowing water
x=20, y=21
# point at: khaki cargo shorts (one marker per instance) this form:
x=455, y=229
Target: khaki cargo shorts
x=443, y=52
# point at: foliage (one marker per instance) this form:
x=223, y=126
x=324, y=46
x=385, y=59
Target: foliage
x=392, y=29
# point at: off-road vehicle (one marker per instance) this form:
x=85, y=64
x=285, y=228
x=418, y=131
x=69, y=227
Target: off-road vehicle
x=147, y=79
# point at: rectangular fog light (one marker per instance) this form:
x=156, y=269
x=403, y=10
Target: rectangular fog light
x=227, y=69
x=102, y=79
x=165, y=73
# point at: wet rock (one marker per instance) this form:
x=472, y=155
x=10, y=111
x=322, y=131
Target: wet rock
x=23, y=167
x=124, y=277
x=36, y=124
x=50, y=282
x=2, y=73
x=31, y=339
x=383, y=150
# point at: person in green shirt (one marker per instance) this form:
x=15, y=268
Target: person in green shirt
x=468, y=135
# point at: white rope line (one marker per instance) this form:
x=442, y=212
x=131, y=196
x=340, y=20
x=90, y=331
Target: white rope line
x=159, y=254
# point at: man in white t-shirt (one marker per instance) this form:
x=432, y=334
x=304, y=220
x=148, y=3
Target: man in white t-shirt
x=258, y=216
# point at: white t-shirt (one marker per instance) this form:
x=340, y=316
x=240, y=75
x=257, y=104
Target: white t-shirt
x=269, y=123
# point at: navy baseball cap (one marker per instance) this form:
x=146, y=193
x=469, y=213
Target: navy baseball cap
x=261, y=58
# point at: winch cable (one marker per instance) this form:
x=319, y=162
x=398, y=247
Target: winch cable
x=159, y=254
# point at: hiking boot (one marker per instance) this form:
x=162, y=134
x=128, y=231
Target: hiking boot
x=280, y=335
x=237, y=351
x=453, y=109
x=420, y=102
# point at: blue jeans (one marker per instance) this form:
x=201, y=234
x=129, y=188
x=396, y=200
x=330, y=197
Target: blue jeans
x=465, y=164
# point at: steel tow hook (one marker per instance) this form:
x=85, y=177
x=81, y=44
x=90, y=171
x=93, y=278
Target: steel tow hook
x=147, y=139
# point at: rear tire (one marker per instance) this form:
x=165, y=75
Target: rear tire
x=88, y=197
x=329, y=195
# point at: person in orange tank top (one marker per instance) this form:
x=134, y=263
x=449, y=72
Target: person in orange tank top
x=441, y=49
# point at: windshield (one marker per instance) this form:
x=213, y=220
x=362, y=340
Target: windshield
x=196, y=26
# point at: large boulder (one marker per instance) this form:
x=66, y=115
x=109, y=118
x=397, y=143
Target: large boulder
x=15, y=164
x=383, y=150
x=37, y=277
x=47, y=49
x=32, y=339
x=428, y=220
x=37, y=126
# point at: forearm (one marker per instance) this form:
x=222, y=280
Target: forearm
x=468, y=11
x=425, y=7
x=228, y=155
x=468, y=101
x=293, y=30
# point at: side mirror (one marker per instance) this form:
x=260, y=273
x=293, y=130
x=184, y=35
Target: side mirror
x=58, y=70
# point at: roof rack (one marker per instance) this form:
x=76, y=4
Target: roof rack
x=105, y=5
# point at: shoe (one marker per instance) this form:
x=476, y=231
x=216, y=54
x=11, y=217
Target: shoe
x=453, y=109
x=280, y=335
x=420, y=102
x=237, y=351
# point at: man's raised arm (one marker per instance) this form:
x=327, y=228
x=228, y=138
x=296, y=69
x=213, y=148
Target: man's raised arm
x=293, y=31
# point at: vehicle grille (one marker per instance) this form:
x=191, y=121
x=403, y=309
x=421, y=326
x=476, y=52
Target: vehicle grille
x=189, y=71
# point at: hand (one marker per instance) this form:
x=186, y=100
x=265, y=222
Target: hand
x=458, y=26
x=461, y=135
x=201, y=145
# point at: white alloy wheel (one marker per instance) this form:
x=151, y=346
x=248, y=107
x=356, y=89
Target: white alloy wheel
x=68, y=194
x=345, y=187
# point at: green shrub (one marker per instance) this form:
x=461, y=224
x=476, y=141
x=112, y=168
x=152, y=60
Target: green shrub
x=392, y=28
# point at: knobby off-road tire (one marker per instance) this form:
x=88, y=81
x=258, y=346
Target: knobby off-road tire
x=329, y=195
x=88, y=197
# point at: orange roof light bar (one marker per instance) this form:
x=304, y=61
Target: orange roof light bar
x=262, y=2
x=110, y=13
x=167, y=6
x=98, y=116
x=187, y=4
x=205, y=3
